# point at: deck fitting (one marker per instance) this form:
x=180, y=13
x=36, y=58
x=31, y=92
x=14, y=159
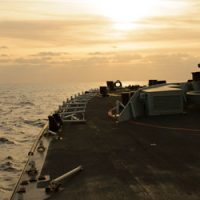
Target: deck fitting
x=41, y=147
x=24, y=182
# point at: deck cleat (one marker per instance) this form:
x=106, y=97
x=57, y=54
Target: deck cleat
x=43, y=181
x=41, y=147
x=24, y=182
x=30, y=153
x=20, y=193
x=32, y=170
x=22, y=190
x=33, y=178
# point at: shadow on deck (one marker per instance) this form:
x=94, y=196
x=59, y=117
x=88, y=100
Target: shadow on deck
x=127, y=160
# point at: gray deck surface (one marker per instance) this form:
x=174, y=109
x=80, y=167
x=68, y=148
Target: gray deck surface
x=127, y=160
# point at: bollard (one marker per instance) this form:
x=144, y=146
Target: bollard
x=60, y=108
x=104, y=91
x=125, y=96
x=20, y=196
x=110, y=85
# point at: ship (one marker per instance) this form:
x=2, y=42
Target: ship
x=119, y=143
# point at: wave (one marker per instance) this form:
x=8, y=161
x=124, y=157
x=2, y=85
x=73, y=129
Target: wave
x=26, y=103
x=20, y=108
x=4, y=140
x=5, y=189
x=9, y=158
x=38, y=123
x=8, y=166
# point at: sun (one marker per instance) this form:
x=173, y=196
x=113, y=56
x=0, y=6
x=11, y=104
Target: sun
x=124, y=13
x=126, y=10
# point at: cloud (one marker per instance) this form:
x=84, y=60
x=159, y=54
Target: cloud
x=31, y=61
x=122, y=65
x=173, y=35
x=96, y=53
x=49, y=54
x=89, y=48
x=171, y=21
x=76, y=31
x=3, y=47
x=168, y=28
x=89, y=32
x=4, y=55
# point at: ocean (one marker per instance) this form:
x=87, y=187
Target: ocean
x=24, y=110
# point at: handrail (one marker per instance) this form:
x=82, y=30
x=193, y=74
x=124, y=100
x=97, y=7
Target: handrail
x=32, y=150
x=42, y=131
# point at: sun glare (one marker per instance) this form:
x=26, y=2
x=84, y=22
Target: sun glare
x=124, y=13
x=127, y=10
x=124, y=26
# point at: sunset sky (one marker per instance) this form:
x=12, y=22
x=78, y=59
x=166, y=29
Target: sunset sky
x=45, y=41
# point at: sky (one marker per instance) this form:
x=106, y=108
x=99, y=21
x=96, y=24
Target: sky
x=60, y=41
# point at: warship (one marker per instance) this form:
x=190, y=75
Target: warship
x=115, y=143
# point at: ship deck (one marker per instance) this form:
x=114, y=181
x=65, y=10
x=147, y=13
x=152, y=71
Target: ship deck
x=151, y=158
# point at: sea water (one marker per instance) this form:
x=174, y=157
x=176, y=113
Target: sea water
x=24, y=110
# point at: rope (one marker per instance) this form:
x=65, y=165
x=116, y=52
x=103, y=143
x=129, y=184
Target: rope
x=165, y=127
x=110, y=114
